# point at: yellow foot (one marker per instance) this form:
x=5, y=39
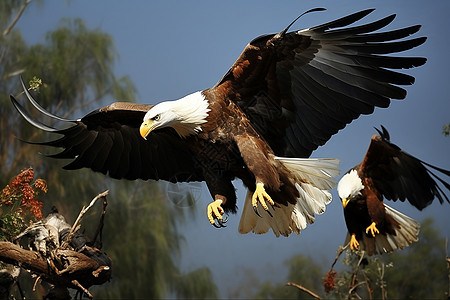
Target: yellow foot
x=354, y=245
x=373, y=229
x=215, y=212
x=261, y=196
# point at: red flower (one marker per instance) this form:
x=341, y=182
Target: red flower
x=41, y=184
x=22, y=189
x=330, y=281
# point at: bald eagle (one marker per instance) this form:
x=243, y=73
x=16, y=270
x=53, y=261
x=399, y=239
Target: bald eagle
x=285, y=95
x=386, y=172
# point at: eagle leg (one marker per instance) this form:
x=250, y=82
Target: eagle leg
x=354, y=244
x=261, y=195
x=373, y=229
x=215, y=212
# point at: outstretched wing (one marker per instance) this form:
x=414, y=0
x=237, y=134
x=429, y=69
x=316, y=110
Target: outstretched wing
x=398, y=175
x=108, y=141
x=300, y=88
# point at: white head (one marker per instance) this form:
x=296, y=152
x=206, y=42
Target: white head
x=184, y=115
x=349, y=187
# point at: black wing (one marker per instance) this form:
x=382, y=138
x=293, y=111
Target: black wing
x=300, y=88
x=398, y=175
x=108, y=141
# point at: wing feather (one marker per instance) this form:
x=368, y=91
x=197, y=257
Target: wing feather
x=324, y=76
x=398, y=175
x=107, y=140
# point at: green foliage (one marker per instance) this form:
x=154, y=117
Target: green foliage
x=8, y=8
x=197, y=284
x=446, y=129
x=147, y=268
x=12, y=223
x=302, y=269
x=140, y=219
x=417, y=272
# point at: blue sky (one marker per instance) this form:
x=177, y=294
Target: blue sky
x=173, y=48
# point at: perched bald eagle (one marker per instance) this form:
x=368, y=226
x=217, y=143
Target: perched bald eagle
x=285, y=95
x=386, y=171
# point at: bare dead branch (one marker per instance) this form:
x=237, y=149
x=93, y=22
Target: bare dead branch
x=74, y=265
x=382, y=282
x=35, y=283
x=340, y=250
x=19, y=14
x=69, y=268
x=98, y=236
x=351, y=291
x=447, y=258
x=76, y=225
x=76, y=283
x=353, y=284
x=369, y=290
x=302, y=288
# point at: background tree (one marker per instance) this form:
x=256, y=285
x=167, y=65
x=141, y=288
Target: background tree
x=446, y=129
x=302, y=269
x=421, y=272
x=76, y=65
x=417, y=272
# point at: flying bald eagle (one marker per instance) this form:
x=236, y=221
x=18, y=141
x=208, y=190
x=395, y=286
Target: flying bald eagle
x=386, y=171
x=285, y=95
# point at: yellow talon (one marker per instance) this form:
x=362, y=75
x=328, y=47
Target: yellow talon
x=215, y=211
x=261, y=195
x=373, y=229
x=354, y=244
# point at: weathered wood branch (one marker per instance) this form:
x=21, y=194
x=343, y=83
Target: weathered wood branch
x=59, y=254
x=62, y=269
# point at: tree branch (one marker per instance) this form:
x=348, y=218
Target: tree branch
x=339, y=253
x=19, y=14
x=302, y=288
x=76, y=225
x=75, y=264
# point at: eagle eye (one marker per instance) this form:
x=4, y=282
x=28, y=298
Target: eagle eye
x=156, y=118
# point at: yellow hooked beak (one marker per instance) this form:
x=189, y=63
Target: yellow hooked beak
x=146, y=128
x=345, y=202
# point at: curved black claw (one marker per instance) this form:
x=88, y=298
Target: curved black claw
x=225, y=218
x=256, y=211
x=221, y=223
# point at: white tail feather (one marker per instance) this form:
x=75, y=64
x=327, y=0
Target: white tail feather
x=312, y=178
x=404, y=236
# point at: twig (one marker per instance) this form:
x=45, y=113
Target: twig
x=447, y=258
x=302, y=288
x=382, y=282
x=76, y=225
x=350, y=291
x=369, y=290
x=35, y=283
x=77, y=284
x=99, y=232
x=19, y=14
x=354, y=275
x=339, y=253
